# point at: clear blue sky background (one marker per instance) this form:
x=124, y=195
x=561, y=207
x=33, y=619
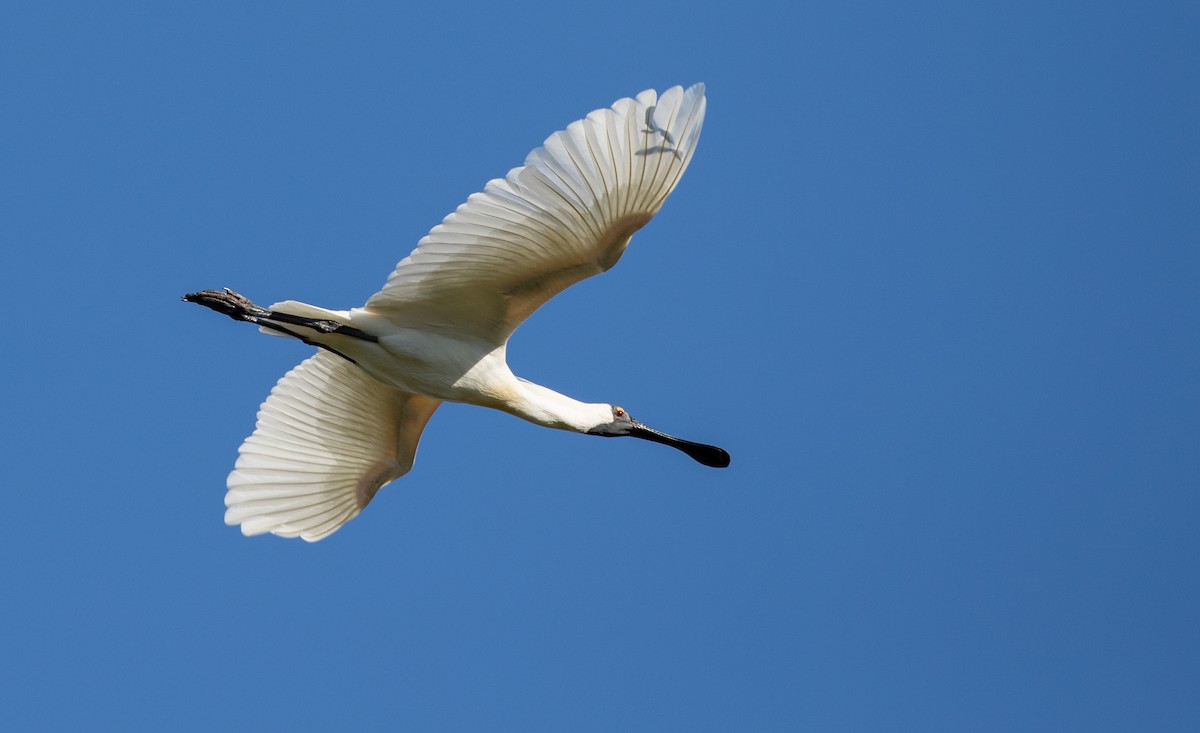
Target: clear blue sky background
x=933, y=278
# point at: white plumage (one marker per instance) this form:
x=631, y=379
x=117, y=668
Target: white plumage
x=565, y=215
x=347, y=420
x=327, y=438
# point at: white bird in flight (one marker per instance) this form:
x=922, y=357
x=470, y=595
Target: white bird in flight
x=347, y=420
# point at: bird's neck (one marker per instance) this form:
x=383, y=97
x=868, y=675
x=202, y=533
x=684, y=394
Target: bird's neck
x=544, y=406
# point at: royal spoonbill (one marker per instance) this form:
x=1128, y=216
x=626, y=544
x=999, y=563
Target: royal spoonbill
x=347, y=420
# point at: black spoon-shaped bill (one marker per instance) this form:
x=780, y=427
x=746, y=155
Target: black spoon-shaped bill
x=709, y=455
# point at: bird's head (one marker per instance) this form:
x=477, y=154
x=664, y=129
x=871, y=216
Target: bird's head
x=623, y=424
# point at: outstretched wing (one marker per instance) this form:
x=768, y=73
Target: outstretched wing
x=328, y=437
x=567, y=214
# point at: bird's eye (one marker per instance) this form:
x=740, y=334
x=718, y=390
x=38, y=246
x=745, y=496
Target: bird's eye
x=618, y=412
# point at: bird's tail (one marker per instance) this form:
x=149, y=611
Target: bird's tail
x=312, y=318
x=327, y=438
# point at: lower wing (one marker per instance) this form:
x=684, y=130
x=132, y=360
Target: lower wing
x=327, y=438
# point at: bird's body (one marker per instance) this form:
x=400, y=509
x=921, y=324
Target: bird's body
x=448, y=366
x=347, y=420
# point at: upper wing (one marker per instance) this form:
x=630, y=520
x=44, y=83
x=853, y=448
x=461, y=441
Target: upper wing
x=327, y=438
x=565, y=215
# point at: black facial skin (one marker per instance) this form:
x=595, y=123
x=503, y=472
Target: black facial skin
x=623, y=424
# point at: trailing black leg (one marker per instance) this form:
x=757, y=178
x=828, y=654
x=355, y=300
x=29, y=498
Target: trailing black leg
x=240, y=308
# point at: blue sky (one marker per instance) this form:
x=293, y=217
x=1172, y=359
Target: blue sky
x=933, y=278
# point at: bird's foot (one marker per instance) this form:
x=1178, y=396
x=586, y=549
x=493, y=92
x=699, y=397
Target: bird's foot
x=234, y=305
